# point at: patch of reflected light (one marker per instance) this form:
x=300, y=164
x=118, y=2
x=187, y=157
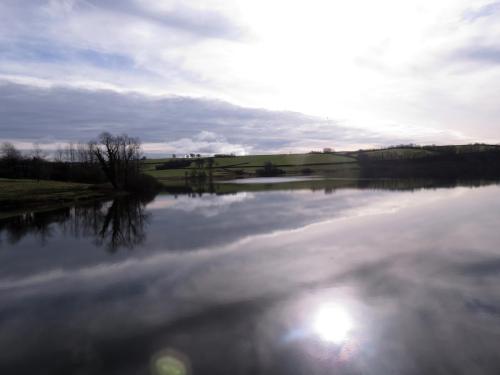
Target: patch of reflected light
x=332, y=323
x=170, y=363
x=161, y=203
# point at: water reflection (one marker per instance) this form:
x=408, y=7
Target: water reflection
x=112, y=225
x=332, y=323
x=121, y=223
x=326, y=185
x=357, y=282
x=34, y=223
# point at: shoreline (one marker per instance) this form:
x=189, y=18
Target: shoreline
x=20, y=195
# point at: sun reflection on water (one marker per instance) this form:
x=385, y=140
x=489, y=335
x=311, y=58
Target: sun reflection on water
x=326, y=331
x=332, y=323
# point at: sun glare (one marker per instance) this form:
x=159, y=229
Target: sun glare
x=332, y=323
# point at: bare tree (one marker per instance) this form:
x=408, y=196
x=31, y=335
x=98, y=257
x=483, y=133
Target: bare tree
x=9, y=152
x=119, y=157
x=59, y=155
x=83, y=154
x=37, y=161
x=37, y=153
x=70, y=153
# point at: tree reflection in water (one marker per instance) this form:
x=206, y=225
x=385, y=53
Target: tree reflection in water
x=32, y=223
x=123, y=225
x=113, y=225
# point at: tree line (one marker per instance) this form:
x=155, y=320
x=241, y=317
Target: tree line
x=113, y=159
x=447, y=162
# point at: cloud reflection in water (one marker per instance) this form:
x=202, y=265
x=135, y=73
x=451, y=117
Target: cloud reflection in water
x=327, y=291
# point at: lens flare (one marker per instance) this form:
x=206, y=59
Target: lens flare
x=332, y=323
x=170, y=363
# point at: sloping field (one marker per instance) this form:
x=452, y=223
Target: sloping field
x=337, y=164
x=224, y=166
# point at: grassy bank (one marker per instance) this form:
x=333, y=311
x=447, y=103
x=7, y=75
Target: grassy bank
x=15, y=194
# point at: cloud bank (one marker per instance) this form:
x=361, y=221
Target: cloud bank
x=341, y=74
x=170, y=124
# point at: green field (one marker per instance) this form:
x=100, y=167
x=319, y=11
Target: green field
x=17, y=193
x=226, y=167
x=396, y=153
x=335, y=164
x=253, y=161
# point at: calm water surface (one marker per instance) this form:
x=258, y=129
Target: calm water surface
x=342, y=281
x=272, y=180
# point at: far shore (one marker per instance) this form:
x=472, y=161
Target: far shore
x=223, y=174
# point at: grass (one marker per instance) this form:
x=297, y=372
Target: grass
x=226, y=167
x=22, y=193
x=256, y=161
x=399, y=153
x=335, y=164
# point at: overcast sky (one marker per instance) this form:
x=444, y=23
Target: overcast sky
x=249, y=76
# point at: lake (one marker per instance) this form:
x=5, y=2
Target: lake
x=382, y=277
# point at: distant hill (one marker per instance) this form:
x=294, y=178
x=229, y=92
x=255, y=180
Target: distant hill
x=475, y=160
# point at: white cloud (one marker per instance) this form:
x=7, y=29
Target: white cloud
x=173, y=124
x=204, y=143
x=379, y=66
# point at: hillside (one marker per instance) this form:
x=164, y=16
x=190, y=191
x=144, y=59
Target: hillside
x=336, y=164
